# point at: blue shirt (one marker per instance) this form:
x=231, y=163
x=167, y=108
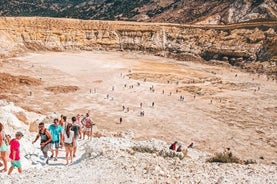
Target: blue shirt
x=55, y=132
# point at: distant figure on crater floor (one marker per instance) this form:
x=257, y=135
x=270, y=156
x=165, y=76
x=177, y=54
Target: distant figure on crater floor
x=120, y=120
x=173, y=146
x=153, y=104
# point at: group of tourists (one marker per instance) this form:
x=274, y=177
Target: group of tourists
x=58, y=135
x=5, y=141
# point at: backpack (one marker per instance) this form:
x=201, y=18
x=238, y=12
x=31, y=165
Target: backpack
x=172, y=147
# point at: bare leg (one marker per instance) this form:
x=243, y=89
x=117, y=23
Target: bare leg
x=20, y=170
x=57, y=152
x=66, y=154
x=5, y=161
x=71, y=154
x=10, y=170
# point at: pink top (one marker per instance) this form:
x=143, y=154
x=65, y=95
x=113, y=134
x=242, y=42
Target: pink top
x=14, y=146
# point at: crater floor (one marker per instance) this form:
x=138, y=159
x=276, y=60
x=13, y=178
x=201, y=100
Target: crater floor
x=213, y=106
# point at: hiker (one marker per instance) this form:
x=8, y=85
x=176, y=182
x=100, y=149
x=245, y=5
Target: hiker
x=179, y=149
x=120, y=120
x=15, y=153
x=56, y=133
x=78, y=122
x=87, y=122
x=45, y=140
x=77, y=133
x=3, y=147
x=61, y=121
x=69, y=141
x=173, y=146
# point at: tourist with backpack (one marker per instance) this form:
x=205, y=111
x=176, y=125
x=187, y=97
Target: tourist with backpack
x=87, y=122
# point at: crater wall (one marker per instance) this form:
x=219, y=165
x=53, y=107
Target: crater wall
x=237, y=44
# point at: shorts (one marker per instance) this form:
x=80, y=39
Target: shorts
x=55, y=145
x=4, y=147
x=46, y=147
x=87, y=129
x=68, y=144
x=16, y=163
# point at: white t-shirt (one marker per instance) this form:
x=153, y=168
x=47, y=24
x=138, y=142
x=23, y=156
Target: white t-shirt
x=68, y=139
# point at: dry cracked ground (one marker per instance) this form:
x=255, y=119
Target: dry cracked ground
x=213, y=106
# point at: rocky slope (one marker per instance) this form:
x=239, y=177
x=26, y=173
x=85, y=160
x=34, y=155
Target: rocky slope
x=110, y=159
x=174, y=11
x=248, y=45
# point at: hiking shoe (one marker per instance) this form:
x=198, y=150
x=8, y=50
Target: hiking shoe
x=51, y=156
x=55, y=159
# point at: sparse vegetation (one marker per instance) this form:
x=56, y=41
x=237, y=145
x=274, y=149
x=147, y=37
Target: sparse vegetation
x=162, y=153
x=228, y=157
x=224, y=158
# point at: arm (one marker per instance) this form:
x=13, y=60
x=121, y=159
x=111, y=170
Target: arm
x=1, y=139
x=61, y=137
x=36, y=139
x=73, y=140
x=79, y=133
x=13, y=155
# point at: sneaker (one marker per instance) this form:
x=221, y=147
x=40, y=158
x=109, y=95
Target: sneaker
x=55, y=159
x=51, y=156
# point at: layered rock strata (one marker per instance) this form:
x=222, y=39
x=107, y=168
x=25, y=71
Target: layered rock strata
x=238, y=44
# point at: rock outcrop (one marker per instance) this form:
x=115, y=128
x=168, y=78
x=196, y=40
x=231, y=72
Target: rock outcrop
x=238, y=44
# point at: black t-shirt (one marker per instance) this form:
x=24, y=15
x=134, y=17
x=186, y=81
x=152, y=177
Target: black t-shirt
x=75, y=129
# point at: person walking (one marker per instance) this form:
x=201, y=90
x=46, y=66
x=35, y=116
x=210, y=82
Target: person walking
x=45, y=140
x=87, y=122
x=56, y=133
x=68, y=139
x=15, y=153
x=77, y=133
x=3, y=148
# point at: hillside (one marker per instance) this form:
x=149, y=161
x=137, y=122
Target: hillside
x=170, y=11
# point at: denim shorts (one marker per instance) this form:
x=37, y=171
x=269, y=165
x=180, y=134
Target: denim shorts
x=55, y=145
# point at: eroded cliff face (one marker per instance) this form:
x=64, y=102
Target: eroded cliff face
x=242, y=44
